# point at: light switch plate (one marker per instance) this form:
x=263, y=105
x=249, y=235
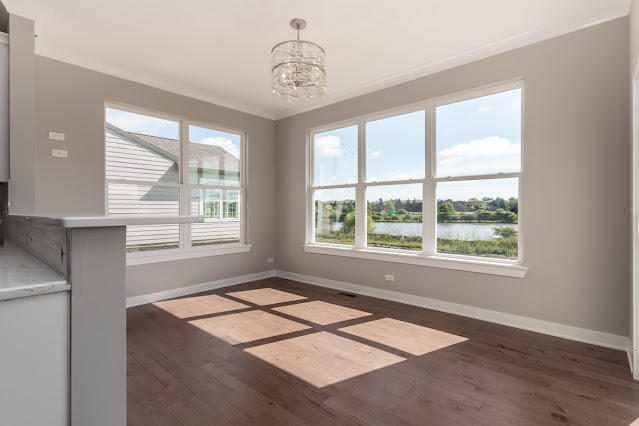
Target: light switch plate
x=59, y=153
x=56, y=136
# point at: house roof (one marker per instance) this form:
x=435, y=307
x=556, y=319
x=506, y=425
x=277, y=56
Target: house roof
x=201, y=155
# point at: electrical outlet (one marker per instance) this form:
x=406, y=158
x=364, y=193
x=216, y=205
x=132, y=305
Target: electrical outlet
x=59, y=153
x=389, y=277
x=56, y=136
x=270, y=260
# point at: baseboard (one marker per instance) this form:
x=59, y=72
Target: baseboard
x=630, y=351
x=539, y=326
x=197, y=288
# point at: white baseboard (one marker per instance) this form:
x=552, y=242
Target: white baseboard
x=197, y=288
x=630, y=351
x=539, y=326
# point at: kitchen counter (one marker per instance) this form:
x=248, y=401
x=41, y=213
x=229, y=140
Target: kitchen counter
x=103, y=221
x=22, y=275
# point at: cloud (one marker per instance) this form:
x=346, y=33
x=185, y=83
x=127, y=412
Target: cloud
x=328, y=146
x=479, y=156
x=484, y=109
x=223, y=143
x=375, y=154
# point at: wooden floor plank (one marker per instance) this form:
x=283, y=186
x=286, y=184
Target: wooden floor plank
x=278, y=352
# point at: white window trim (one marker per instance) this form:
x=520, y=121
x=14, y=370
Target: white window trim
x=186, y=250
x=146, y=257
x=428, y=256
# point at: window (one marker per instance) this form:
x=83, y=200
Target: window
x=146, y=174
x=438, y=179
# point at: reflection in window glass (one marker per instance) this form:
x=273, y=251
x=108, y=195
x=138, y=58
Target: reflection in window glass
x=478, y=217
x=335, y=157
x=395, y=148
x=395, y=216
x=220, y=209
x=480, y=136
x=335, y=216
x=146, y=200
x=214, y=157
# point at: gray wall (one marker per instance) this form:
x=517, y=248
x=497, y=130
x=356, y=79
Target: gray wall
x=71, y=100
x=22, y=116
x=576, y=158
x=634, y=34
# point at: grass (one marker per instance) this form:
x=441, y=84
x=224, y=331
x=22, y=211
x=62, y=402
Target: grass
x=499, y=247
x=374, y=240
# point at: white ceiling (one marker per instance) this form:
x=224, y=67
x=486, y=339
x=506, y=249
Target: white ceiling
x=219, y=51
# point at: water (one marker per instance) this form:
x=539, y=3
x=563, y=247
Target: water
x=460, y=231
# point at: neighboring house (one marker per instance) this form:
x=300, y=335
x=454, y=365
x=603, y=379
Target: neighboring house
x=133, y=159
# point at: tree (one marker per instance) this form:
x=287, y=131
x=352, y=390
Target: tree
x=349, y=223
x=480, y=207
x=504, y=232
x=513, y=205
x=473, y=200
x=447, y=211
x=499, y=203
x=401, y=211
x=487, y=199
x=388, y=206
x=447, y=207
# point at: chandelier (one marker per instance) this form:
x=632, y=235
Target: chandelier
x=298, y=68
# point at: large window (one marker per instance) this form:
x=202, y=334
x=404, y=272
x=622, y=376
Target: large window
x=147, y=174
x=442, y=178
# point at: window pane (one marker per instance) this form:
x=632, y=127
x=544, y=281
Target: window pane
x=335, y=216
x=478, y=217
x=395, y=148
x=480, y=136
x=335, y=157
x=395, y=216
x=221, y=211
x=139, y=147
x=146, y=200
x=214, y=157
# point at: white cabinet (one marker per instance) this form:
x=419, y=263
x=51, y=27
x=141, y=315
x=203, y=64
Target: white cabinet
x=4, y=107
x=34, y=360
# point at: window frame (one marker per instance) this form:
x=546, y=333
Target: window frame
x=186, y=250
x=428, y=256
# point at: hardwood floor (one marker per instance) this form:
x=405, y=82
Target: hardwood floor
x=277, y=352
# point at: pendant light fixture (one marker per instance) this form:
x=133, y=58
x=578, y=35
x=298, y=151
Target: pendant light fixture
x=298, y=70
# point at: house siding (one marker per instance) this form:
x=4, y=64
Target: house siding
x=127, y=159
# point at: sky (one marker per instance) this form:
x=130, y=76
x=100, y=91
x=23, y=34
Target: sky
x=477, y=136
x=137, y=123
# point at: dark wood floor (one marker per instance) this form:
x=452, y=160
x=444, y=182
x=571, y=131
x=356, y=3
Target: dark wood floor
x=276, y=352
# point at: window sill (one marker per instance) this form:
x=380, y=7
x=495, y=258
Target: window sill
x=181, y=254
x=459, y=263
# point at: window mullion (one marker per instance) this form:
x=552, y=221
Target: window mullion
x=185, y=193
x=429, y=201
x=360, y=189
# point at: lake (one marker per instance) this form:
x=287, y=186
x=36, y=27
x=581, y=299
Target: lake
x=458, y=231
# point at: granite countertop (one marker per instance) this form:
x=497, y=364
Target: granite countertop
x=101, y=221
x=22, y=275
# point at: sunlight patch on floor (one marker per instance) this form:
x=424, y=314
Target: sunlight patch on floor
x=196, y=306
x=321, y=313
x=323, y=359
x=405, y=336
x=247, y=326
x=266, y=296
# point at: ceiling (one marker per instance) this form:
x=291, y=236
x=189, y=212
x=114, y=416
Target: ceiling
x=219, y=51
